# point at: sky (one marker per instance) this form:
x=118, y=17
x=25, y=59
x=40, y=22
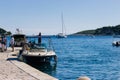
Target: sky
x=34, y=16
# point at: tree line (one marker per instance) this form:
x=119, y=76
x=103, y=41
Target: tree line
x=4, y=32
x=106, y=30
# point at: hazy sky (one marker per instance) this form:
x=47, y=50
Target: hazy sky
x=34, y=16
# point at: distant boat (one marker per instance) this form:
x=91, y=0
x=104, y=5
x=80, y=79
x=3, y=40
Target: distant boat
x=116, y=43
x=63, y=33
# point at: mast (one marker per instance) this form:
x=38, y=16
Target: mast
x=63, y=33
x=62, y=22
x=63, y=25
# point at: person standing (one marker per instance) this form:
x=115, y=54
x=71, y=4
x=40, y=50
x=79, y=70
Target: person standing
x=3, y=44
x=39, y=38
x=12, y=43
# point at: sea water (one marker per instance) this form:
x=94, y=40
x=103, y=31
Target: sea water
x=94, y=57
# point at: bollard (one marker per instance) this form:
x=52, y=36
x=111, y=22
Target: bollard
x=84, y=78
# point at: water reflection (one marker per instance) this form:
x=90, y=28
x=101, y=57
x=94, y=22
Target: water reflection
x=49, y=68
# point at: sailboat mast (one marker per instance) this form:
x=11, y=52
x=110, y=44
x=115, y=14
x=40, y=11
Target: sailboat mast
x=62, y=21
x=63, y=34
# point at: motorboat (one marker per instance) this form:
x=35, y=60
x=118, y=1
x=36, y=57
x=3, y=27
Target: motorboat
x=116, y=43
x=37, y=52
x=19, y=38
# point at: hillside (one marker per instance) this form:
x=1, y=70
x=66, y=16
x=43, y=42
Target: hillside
x=107, y=30
x=2, y=32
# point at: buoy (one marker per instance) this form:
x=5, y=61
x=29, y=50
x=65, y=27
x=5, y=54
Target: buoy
x=84, y=78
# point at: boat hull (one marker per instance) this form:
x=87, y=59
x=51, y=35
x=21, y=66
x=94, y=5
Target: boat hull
x=116, y=43
x=38, y=59
x=61, y=35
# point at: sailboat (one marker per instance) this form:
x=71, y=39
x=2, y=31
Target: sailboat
x=63, y=33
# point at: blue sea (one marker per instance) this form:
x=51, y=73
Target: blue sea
x=94, y=57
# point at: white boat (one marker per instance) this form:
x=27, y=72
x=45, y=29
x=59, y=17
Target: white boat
x=116, y=43
x=63, y=33
x=37, y=53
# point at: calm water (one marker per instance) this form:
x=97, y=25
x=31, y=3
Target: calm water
x=78, y=56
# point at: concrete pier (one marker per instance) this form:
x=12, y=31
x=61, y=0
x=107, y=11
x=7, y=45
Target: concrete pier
x=12, y=69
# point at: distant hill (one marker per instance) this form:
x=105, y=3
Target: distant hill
x=107, y=30
x=2, y=32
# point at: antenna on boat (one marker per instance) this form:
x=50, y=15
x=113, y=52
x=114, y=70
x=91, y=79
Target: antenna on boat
x=18, y=31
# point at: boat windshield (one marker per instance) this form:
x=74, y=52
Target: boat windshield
x=19, y=37
x=38, y=46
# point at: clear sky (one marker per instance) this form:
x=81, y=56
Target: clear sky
x=34, y=16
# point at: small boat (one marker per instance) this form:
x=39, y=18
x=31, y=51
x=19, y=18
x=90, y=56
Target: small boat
x=61, y=35
x=116, y=43
x=37, y=53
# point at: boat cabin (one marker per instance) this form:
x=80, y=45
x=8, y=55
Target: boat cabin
x=19, y=40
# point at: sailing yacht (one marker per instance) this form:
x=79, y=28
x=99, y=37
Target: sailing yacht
x=63, y=33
